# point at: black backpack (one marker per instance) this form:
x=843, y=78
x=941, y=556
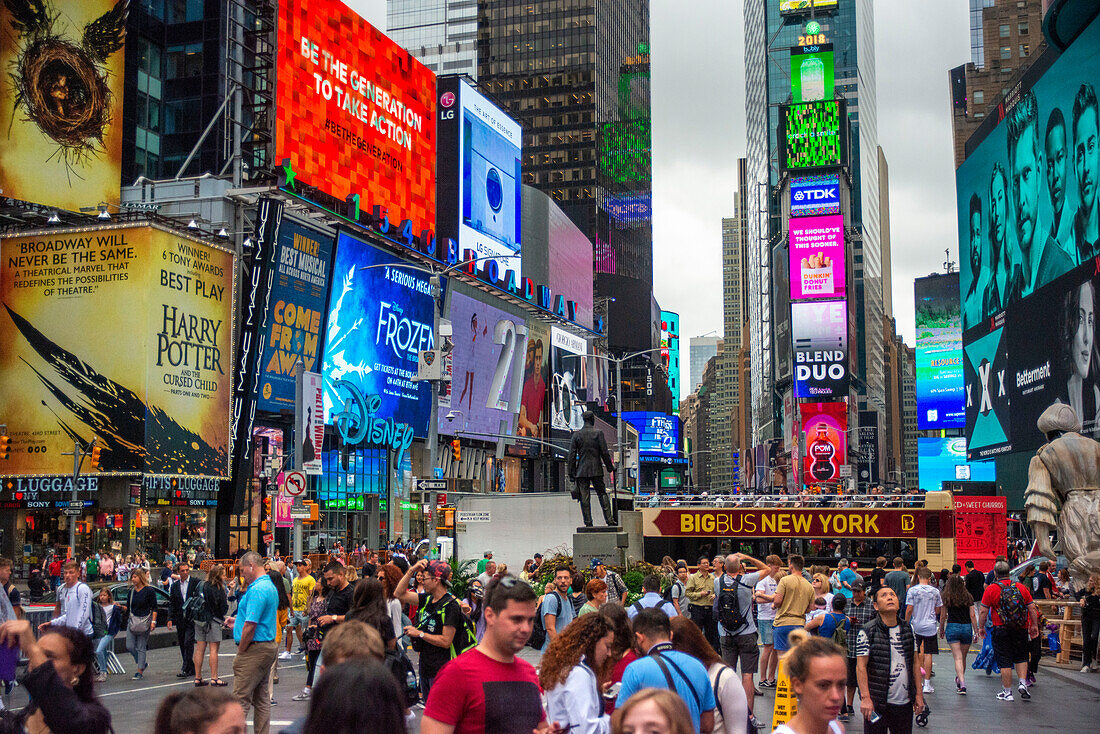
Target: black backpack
x=538, y=632
x=194, y=609
x=667, y=593
x=730, y=614
x=399, y=665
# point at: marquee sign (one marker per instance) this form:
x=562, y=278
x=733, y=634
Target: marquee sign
x=796, y=522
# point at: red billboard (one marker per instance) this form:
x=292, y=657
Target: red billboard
x=981, y=529
x=826, y=431
x=355, y=112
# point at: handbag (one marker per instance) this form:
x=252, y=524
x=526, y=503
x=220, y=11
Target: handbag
x=138, y=625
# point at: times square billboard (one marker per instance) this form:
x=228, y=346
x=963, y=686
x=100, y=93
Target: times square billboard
x=1027, y=211
x=813, y=135
x=819, y=332
x=941, y=396
x=479, y=186
x=355, y=113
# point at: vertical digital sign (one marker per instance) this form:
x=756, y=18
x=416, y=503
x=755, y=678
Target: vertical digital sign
x=812, y=135
x=817, y=257
x=941, y=392
x=812, y=72
x=658, y=433
x=568, y=381
x=826, y=431
x=812, y=196
x=819, y=332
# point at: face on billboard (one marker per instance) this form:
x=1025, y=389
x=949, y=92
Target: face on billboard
x=379, y=320
x=825, y=426
x=355, y=112
x=536, y=371
x=817, y=257
x=61, y=110
x=940, y=387
x=1026, y=194
x=568, y=382
x=136, y=352
x=489, y=347
x=303, y=257
x=819, y=331
x=942, y=460
x=812, y=134
x=658, y=433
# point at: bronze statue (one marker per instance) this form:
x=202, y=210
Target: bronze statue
x=1063, y=491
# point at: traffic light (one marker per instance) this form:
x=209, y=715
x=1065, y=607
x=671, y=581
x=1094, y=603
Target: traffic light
x=5, y=446
x=93, y=457
x=456, y=450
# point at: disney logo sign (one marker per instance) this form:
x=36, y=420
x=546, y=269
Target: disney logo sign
x=358, y=422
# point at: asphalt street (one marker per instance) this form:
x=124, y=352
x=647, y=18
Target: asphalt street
x=1063, y=702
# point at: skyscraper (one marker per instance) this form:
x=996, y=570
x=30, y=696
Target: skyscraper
x=770, y=34
x=576, y=76
x=440, y=33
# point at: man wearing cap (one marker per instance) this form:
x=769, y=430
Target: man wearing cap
x=438, y=618
x=488, y=556
x=300, y=590
x=616, y=587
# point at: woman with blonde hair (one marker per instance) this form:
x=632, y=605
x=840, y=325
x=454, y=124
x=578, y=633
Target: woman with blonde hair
x=652, y=711
x=818, y=670
x=208, y=626
x=141, y=608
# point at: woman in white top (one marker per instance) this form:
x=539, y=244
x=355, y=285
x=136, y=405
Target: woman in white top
x=818, y=670
x=731, y=713
x=390, y=575
x=572, y=672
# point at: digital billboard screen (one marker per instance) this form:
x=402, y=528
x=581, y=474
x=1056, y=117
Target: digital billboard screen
x=812, y=196
x=658, y=433
x=941, y=393
x=479, y=183
x=811, y=134
x=985, y=368
x=568, y=382
x=812, y=73
x=490, y=348
x=817, y=257
x=942, y=460
x=1026, y=195
x=355, y=112
x=793, y=7
x=380, y=319
x=819, y=333
x=825, y=426
x=303, y=257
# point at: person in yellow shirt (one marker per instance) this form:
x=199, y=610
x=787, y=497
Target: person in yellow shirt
x=700, y=594
x=793, y=599
x=301, y=588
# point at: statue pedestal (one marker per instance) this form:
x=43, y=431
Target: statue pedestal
x=606, y=543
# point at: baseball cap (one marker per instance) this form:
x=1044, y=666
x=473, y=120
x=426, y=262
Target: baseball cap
x=856, y=585
x=300, y=562
x=439, y=570
x=538, y=555
x=488, y=553
x=595, y=562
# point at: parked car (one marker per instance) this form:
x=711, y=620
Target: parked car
x=120, y=592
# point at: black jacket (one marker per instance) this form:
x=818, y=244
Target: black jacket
x=177, y=600
x=586, y=449
x=878, y=660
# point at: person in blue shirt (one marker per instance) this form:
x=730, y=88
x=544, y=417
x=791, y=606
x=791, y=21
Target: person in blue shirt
x=663, y=667
x=843, y=577
x=824, y=625
x=254, y=633
x=651, y=598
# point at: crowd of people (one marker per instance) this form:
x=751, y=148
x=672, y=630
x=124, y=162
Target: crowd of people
x=808, y=496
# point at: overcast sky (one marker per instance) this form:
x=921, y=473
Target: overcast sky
x=698, y=97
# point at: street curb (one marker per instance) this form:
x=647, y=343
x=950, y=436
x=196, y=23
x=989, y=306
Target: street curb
x=1062, y=675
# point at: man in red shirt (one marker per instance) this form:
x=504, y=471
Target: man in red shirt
x=488, y=689
x=1010, y=638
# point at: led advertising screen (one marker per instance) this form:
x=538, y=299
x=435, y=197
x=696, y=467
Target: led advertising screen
x=355, y=112
x=379, y=321
x=942, y=460
x=811, y=134
x=817, y=257
x=819, y=333
x=812, y=196
x=303, y=257
x=812, y=73
x=122, y=334
x=825, y=427
x=985, y=368
x=868, y=437
x=792, y=7
x=1027, y=204
x=61, y=102
x=479, y=192
x=490, y=347
x=658, y=433
x=568, y=382
x=941, y=393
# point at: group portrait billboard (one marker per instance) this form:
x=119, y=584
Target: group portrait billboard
x=120, y=334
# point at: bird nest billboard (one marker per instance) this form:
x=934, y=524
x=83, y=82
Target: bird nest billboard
x=122, y=334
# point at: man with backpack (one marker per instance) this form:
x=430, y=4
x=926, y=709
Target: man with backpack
x=651, y=598
x=616, y=587
x=557, y=610
x=1012, y=610
x=438, y=619
x=733, y=594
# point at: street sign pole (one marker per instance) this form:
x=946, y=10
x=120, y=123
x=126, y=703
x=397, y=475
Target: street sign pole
x=296, y=548
x=433, y=416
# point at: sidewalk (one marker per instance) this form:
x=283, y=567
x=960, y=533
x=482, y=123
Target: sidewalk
x=1073, y=676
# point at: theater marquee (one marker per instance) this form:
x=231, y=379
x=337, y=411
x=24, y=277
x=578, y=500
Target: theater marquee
x=805, y=523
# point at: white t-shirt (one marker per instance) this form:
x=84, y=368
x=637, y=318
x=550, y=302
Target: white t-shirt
x=764, y=610
x=731, y=695
x=899, y=678
x=925, y=600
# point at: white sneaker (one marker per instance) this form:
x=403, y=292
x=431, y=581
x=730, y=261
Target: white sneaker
x=1084, y=668
x=285, y=655
x=1005, y=695
x=928, y=687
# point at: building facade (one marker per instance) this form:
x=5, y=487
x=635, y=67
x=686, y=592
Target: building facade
x=700, y=351
x=440, y=33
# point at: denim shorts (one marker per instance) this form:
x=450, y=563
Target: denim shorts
x=782, y=644
x=959, y=632
x=765, y=628
x=298, y=619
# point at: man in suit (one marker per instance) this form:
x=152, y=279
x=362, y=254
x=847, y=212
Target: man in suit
x=588, y=455
x=178, y=595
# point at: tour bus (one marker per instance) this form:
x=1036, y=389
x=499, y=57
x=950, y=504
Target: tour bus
x=936, y=526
